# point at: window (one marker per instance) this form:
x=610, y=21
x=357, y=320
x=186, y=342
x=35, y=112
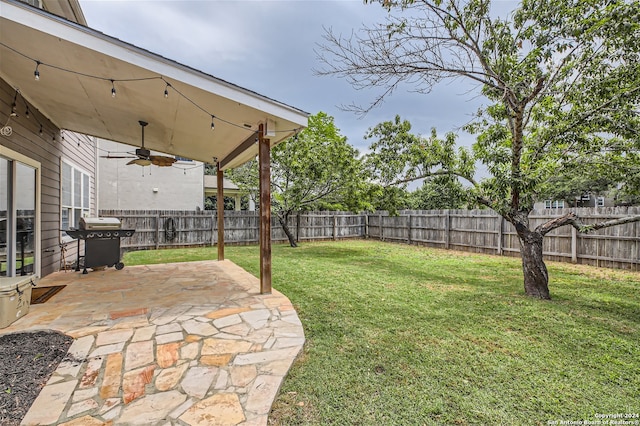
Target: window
x=600, y=202
x=75, y=196
x=34, y=3
x=555, y=204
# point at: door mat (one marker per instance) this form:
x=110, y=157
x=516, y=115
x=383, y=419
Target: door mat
x=42, y=294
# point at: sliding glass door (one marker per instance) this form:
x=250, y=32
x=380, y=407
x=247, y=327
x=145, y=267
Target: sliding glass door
x=18, y=218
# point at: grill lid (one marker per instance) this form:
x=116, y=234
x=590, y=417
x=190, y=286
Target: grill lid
x=97, y=223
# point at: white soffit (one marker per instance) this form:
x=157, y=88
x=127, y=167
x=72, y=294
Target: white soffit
x=177, y=125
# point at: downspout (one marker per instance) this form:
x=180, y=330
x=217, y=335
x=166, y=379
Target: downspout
x=96, y=174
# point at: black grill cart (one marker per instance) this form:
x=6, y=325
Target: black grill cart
x=101, y=237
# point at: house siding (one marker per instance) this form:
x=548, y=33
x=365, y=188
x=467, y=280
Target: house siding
x=48, y=150
x=132, y=187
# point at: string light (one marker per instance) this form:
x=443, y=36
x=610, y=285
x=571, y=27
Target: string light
x=26, y=113
x=14, y=106
x=36, y=74
x=213, y=126
x=40, y=133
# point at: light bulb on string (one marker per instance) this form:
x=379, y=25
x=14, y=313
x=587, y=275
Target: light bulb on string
x=26, y=113
x=166, y=91
x=14, y=106
x=36, y=73
x=113, y=90
x=40, y=133
x=213, y=126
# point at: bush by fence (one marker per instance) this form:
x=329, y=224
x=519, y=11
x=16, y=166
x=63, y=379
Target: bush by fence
x=470, y=230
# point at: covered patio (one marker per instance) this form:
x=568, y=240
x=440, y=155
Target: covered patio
x=87, y=82
x=184, y=343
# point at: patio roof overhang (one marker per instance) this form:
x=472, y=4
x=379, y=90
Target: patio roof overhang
x=79, y=67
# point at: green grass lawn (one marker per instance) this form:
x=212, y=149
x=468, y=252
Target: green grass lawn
x=402, y=335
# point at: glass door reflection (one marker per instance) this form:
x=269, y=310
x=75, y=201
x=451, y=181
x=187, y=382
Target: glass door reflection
x=17, y=218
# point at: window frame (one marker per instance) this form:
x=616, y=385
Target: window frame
x=15, y=157
x=82, y=197
x=554, y=204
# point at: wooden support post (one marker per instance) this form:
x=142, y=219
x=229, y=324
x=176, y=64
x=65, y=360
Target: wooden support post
x=264, y=167
x=409, y=229
x=381, y=233
x=335, y=227
x=298, y=227
x=220, y=211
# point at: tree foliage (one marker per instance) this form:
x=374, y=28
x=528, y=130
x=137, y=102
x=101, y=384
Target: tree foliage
x=440, y=192
x=317, y=169
x=562, y=83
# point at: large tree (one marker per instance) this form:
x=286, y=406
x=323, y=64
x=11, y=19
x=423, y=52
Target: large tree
x=315, y=169
x=561, y=79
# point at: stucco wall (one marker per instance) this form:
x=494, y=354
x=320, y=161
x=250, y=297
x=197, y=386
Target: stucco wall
x=133, y=187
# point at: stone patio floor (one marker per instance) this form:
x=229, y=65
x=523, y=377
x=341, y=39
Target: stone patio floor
x=173, y=344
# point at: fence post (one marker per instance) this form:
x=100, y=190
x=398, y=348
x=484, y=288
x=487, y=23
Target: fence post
x=408, y=229
x=500, y=235
x=214, y=219
x=157, y=231
x=366, y=226
x=380, y=227
x=447, y=229
x=298, y=227
x=335, y=224
x=574, y=245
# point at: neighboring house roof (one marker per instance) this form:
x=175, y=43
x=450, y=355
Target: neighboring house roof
x=79, y=67
x=211, y=186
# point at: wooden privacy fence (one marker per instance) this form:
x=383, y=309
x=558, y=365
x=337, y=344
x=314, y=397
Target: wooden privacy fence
x=178, y=228
x=485, y=231
x=469, y=230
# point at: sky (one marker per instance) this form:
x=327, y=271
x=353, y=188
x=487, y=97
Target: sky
x=270, y=47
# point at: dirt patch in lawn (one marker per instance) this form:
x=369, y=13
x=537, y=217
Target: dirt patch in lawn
x=27, y=360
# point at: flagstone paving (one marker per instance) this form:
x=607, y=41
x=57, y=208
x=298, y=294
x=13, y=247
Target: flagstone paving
x=175, y=344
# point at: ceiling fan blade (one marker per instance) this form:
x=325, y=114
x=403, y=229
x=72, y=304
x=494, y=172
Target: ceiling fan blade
x=162, y=160
x=140, y=162
x=116, y=156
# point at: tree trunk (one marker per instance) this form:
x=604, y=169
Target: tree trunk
x=283, y=222
x=536, y=277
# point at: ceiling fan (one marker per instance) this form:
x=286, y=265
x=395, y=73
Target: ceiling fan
x=143, y=156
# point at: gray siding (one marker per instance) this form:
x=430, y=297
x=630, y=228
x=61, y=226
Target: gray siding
x=48, y=150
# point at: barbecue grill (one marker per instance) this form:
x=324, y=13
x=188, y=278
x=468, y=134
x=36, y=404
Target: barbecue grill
x=101, y=237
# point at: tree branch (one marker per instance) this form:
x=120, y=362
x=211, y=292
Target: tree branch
x=436, y=173
x=573, y=220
